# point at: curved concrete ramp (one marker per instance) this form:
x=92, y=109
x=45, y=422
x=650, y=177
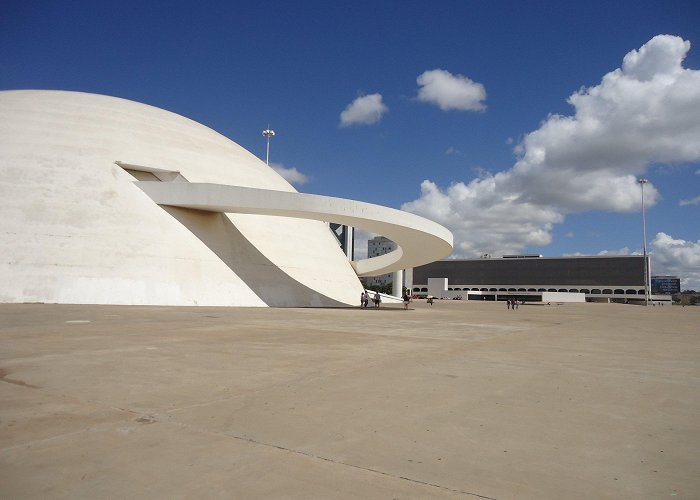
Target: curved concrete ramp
x=418, y=240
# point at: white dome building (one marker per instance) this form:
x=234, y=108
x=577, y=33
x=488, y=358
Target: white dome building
x=78, y=227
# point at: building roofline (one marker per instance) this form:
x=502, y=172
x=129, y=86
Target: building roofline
x=573, y=257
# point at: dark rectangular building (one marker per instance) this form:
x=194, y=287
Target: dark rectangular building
x=599, y=271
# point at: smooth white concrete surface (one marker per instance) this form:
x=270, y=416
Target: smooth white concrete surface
x=76, y=229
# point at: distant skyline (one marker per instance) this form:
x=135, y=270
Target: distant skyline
x=521, y=126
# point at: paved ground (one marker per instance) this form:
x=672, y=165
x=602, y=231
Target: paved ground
x=458, y=400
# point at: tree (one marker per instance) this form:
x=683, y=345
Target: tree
x=381, y=288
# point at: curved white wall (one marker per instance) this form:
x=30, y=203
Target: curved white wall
x=76, y=229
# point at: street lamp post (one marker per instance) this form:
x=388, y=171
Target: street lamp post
x=267, y=133
x=644, y=228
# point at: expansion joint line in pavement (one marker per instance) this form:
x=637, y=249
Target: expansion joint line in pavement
x=330, y=460
x=367, y=469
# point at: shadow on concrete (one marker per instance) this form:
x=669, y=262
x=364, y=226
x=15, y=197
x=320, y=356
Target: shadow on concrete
x=266, y=279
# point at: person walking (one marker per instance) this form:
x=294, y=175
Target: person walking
x=406, y=299
x=377, y=300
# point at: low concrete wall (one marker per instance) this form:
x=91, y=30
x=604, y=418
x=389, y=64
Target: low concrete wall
x=563, y=297
x=437, y=287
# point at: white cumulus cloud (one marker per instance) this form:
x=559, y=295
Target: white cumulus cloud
x=642, y=113
x=365, y=110
x=692, y=201
x=676, y=257
x=645, y=112
x=291, y=175
x=483, y=221
x=621, y=251
x=448, y=91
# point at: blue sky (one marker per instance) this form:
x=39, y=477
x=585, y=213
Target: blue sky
x=370, y=100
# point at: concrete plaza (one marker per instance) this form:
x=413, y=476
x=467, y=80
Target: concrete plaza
x=457, y=400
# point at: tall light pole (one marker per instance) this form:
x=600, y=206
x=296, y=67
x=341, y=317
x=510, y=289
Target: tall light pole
x=267, y=133
x=644, y=228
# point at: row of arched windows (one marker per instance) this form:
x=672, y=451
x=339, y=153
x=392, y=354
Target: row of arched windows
x=597, y=291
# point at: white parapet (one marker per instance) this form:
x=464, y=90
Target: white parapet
x=436, y=287
x=563, y=297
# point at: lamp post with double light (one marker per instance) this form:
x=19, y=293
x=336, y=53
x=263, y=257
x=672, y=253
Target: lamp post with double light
x=644, y=229
x=267, y=133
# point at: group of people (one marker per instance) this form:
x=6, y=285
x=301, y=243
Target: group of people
x=377, y=299
x=364, y=300
x=512, y=304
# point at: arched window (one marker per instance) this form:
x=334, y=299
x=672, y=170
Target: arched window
x=573, y=290
x=607, y=291
x=595, y=290
x=630, y=291
x=619, y=291
x=423, y=289
x=585, y=290
x=531, y=290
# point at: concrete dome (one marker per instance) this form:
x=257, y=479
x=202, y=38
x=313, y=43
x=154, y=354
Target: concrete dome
x=77, y=229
